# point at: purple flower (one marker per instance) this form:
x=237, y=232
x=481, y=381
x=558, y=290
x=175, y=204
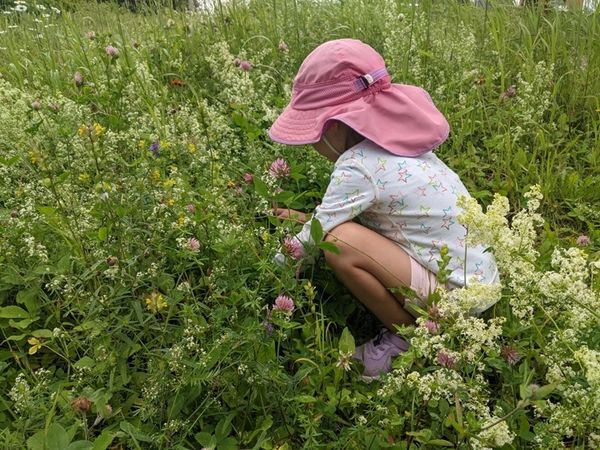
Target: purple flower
x=583, y=240
x=284, y=303
x=191, y=208
x=432, y=326
x=193, y=245
x=509, y=93
x=91, y=35
x=510, y=354
x=78, y=79
x=154, y=147
x=267, y=323
x=293, y=247
x=248, y=178
x=446, y=360
x=246, y=66
x=111, y=51
x=279, y=168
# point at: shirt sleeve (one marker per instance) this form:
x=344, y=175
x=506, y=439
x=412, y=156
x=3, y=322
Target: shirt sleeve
x=350, y=192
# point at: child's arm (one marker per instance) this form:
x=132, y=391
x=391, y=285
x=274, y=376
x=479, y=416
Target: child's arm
x=351, y=191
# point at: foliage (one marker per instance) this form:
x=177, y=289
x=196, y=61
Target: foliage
x=137, y=284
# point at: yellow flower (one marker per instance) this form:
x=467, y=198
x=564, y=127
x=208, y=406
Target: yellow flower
x=181, y=220
x=164, y=144
x=141, y=144
x=84, y=177
x=34, y=156
x=310, y=291
x=598, y=110
x=230, y=184
x=155, y=175
x=170, y=202
x=169, y=183
x=192, y=148
x=35, y=343
x=155, y=302
x=83, y=129
x=98, y=129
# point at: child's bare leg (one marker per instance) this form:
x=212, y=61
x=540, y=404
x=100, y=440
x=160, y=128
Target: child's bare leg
x=368, y=264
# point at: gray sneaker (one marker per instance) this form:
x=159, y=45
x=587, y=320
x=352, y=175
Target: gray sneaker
x=377, y=354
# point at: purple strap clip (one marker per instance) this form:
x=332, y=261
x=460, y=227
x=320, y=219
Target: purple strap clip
x=366, y=80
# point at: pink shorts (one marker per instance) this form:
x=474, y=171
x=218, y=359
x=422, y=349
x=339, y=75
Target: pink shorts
x=423, y=282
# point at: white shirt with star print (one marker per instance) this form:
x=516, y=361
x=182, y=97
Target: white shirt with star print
x=411, y=201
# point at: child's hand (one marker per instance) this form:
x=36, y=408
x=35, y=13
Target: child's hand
x=288, y=213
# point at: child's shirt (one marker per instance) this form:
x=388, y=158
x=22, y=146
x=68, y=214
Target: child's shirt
x=410, y=200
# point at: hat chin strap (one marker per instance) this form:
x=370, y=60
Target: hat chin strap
x=331, y=147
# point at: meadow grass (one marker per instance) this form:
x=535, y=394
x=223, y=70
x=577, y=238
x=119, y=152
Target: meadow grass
x=136, y=265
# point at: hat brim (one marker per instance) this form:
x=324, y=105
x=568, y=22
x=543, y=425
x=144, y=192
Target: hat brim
x=401, y=119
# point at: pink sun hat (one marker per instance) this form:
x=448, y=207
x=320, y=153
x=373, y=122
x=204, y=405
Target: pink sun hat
x=346, y=80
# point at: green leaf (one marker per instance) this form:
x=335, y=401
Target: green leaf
x=80, y=445
x=305, y=399
x=57, y=438
x=228, y=444
x=347, y=344
x=206, y=440
x=223, y=427
x=103, y=441
x=29, y=298
x=43, y=333
x=260, y=187
x=440, y=442
x=85, y=363
x=542, y=392
x=13, y=312
x=36, y=442
x=316, y=230
x=102, y=233
x=329, y=247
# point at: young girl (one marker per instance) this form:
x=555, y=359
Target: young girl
x=380, y=136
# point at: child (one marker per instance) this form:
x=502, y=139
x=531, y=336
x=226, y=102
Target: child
x=380, y=136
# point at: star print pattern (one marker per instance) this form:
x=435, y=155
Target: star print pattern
x=411, y=201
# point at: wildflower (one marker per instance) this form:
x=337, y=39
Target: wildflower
x=283, y=47
x=433, y=312
x=279, y=168
x=112, y=261
x=177, y=82
x=91, y=35
x=81, y=405
x=583, y=240
x=35, y=343
x=154, y=147
x=193, y=245
x=509, y=93
x=155, y=175
x=284, y=303
x=155, y=302
x=310, y=291
x=446, y=360
x=98, y=129
x=237, y=61
x=192, y=148
x=432, y=326
x=246, y=66
x=191, y=208
x=111, y=51
x=293, y=248
x=78, y=79
x=344, y=360
x=248, y=178
x=267, y=323
x=20, y=8
x=510, y=354
x=36, y=105
x=54, y=107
